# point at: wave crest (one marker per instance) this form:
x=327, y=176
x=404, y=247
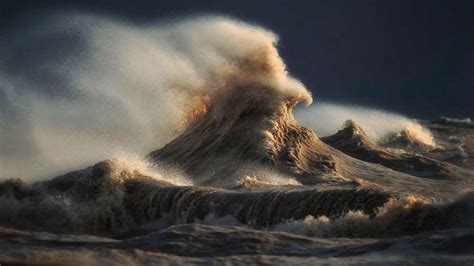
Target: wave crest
x=100, y=86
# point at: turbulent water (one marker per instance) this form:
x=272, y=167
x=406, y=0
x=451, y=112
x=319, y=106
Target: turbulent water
x=232, y=176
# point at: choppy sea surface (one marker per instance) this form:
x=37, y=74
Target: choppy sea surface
x=232, y=177
x=109, y=214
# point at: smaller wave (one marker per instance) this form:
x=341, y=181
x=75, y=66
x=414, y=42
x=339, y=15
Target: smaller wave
x=397, y=217
x=353, y=140
x=448, y=120
x=89, y=200
x=135, y=165
x=413, y=137
x=326, y=119
x=114, y=198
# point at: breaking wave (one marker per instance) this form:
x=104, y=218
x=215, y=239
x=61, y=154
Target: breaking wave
x=114, y=199
x=397, y=217
x=327, y=118
x=99, y=86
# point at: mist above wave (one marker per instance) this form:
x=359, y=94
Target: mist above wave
x=80, y=88
x=327, y=118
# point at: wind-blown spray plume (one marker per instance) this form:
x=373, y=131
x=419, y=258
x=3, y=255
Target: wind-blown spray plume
x=81, y=88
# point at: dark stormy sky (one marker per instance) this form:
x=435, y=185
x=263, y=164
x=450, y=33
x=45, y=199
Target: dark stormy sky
x=413, y=57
